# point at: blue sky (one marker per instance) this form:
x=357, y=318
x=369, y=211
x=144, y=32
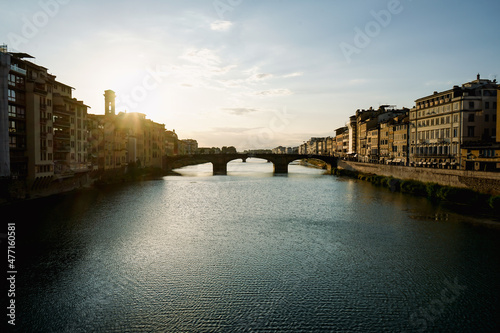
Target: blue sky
x=255, y=73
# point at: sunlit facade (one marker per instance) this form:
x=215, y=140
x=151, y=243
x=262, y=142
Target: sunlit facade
x=116, y=140
x=444, y=122
x=46, y=125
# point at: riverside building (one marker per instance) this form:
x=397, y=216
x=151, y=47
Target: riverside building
x=444, y=122
x=46, y=125
x=116, y=140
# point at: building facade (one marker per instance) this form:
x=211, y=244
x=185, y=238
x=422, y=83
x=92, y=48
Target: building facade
x=442, y=123
x=46, y=124
x=116, y=140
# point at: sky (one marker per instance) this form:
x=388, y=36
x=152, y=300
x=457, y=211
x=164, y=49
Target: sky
x=255, y=73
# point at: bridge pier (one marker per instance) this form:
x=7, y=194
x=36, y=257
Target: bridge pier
x=220, y=168
x=280, y=164
x=280, y=167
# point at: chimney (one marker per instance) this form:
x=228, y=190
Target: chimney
x=478, y=76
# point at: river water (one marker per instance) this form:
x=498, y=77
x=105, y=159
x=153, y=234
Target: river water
x=252, y=252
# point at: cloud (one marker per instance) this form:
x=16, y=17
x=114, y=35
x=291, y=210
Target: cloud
x=221, y=25
x=203, y=57
x=294, y=74
x=200, y=67
x=259, y=77
x=239, y=111
x=274, y=92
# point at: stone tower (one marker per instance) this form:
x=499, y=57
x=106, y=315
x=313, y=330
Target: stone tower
x=109, y=102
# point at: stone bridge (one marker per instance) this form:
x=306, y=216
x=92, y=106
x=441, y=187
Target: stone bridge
x=280, y=161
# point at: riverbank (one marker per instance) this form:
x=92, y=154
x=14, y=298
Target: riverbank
x=14, y=191
x=312, y=163
x=464, y=199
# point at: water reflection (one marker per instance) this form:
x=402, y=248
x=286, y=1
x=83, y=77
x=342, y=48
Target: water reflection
x=253, y=252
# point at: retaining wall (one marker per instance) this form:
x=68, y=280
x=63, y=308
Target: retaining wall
x=480, y=181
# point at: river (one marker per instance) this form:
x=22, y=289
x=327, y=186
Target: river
x=252, y=252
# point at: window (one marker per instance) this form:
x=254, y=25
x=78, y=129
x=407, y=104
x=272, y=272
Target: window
x=470, y=131
x=12, y=126
x=455, y=132
x=486, y=117
x=486, y=105
x=471, y=105
x=11, y=96
x=12, y=111
x=12, y=80
x=471, y=117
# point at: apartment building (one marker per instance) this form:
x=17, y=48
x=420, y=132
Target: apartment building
x=444, y=122
x=188, y=147
x=372, y=144
x=46, y=124
x=171, y=143
x=484, y=156
x=340, y=150
x=400, y=138
x=385, y=141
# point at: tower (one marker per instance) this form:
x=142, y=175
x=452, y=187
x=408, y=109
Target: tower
x=109, y=102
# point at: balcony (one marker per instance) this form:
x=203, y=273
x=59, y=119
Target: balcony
x=60, y=148
x=61, y=135
x=40, y=88
x=62, y=109
x=428, y=155
x=62, y=123
x=17, y=69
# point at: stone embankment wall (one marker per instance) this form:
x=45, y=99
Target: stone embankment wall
x=480, y=181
